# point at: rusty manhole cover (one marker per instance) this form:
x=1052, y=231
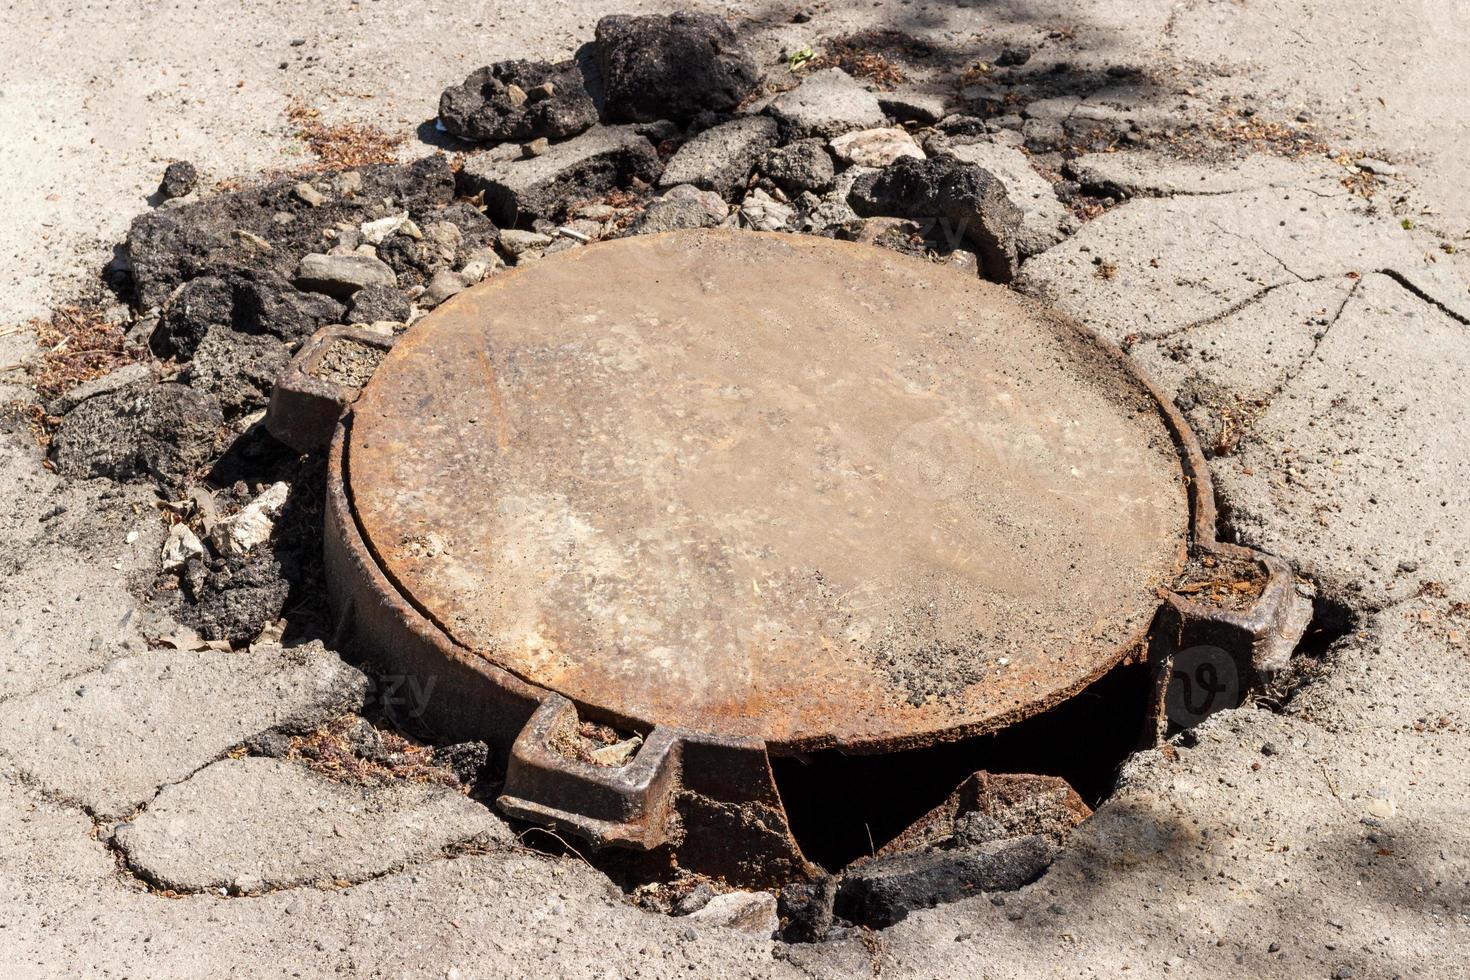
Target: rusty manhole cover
x=753, y=493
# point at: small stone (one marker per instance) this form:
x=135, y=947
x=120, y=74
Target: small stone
x=180, y=545
x=179, y=178
x=516, y=243
x=806, y=908
x=374, y=232
x=467, y=760
x=761, y=212
x=1380, y=167
x=830, y=215
x=343, y=275
x=617, y=754
x=1013, y=57
x=480, y=264
x=753, y=913
x=444, y=285
x=374, y=304
x=308, y=194
x=684, y=206
x=1381, y=807
x=875, y=147
x=697, y=899
x=348, y=183
x=536, y=147
x=596, y=211
x=801, y=166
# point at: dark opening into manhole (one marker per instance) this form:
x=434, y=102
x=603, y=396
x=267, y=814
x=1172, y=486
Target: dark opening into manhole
x=844, y=807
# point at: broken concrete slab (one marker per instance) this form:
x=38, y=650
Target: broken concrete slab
x=684, y=206
x=885, y=889
x=254, y=824
x=519, y=100
x=126, y=375
x=108, y=739
x=988, y=807
x=1403, y=670
x=801, y=166
x=721, y=158
x=164, y=431
x=827, y=103
x=965, y=203
x=1260, y=818
x=1045, y=221
x=237, y=369
x=1147, y=173
x=508, y=912
x=64, y=615
x=1155, y=266
x=519, y=191
x=1357, y=466
x=227, y=234
x=914, y=105
x=671, y=66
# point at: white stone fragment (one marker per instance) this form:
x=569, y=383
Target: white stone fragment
x=180, y=545
x=252, y=525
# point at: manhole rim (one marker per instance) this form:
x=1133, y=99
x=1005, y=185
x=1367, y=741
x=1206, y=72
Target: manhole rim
x=375, y=585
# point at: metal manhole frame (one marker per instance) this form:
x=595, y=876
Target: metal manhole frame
x=681, y=782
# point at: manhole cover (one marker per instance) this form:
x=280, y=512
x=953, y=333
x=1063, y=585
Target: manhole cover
x=755, y=493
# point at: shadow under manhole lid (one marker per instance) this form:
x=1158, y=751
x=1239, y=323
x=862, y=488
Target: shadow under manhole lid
x=752, y=496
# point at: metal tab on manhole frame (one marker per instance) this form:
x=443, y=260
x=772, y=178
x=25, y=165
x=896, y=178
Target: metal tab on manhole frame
x=750, y=495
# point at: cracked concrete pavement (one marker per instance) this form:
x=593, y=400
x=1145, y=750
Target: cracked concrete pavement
x=1318, y=344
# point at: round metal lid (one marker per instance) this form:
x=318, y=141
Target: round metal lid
x=769, y=485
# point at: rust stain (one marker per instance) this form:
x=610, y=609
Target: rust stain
x=497, y=404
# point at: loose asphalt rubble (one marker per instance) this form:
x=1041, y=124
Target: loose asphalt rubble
x=188, y=782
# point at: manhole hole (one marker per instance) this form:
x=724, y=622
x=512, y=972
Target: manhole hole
x=754, y=496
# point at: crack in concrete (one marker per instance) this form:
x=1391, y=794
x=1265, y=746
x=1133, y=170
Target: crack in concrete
x=1229, y=311
x=1317, y=342
x=1259, y=247
x=1404, y=281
